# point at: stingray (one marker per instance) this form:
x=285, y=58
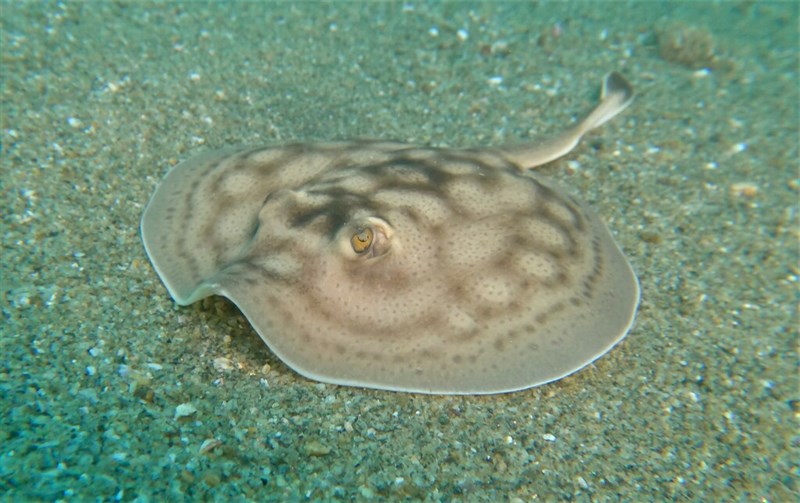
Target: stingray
x=387, y=265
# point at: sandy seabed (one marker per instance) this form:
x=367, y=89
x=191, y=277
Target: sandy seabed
x=110, y=391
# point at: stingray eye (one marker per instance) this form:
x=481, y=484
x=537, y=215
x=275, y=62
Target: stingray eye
x=362, y=240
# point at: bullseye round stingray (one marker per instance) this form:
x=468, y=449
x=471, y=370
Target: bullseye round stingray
x=401, y=267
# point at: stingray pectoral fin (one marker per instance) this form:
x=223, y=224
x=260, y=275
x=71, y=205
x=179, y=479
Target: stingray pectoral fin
x=615, y=96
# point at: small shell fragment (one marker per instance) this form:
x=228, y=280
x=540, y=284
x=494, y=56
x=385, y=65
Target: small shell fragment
x=209, y=444
x=185, y=410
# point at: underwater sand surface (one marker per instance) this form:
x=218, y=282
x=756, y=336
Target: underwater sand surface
x=110, y=390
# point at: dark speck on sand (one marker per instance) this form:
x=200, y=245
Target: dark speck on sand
x=110, y=392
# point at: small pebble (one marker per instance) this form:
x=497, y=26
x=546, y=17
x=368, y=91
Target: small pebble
x=187, y=476
x=212, y=479
x=743, y=189
x=222, y=364
x=185, y=410
x=316, y=448
x=119, y=457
